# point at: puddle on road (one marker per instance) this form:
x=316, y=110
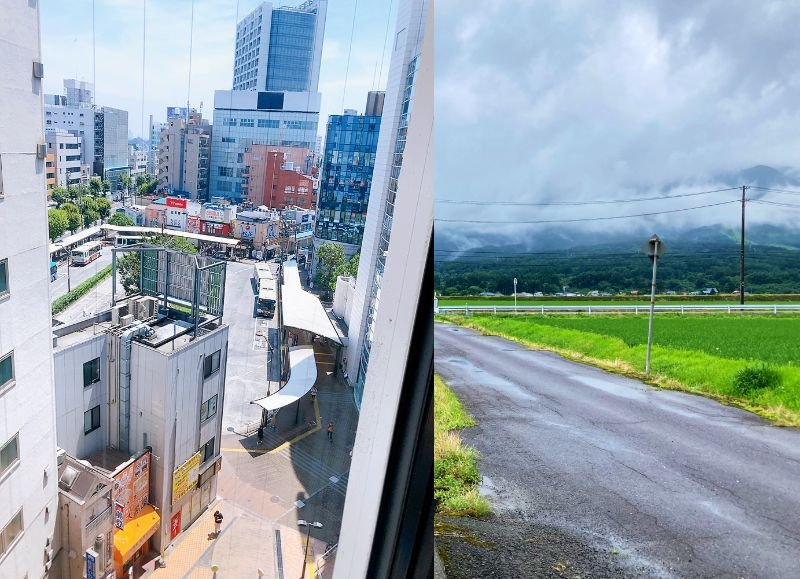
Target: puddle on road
x=609, y=386
x=473, y=375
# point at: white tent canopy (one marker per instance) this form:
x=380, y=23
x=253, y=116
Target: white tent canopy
x=303, y=310
x=303, y=375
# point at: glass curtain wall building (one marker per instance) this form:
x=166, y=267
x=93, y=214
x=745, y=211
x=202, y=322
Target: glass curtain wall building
x=385, y=228
x=291, y=50
x=350, y=146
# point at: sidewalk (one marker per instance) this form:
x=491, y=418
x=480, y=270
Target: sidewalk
x=296, y=473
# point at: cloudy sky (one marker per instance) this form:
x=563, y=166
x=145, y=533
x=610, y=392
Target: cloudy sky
x=546, y=100
x=66, y=29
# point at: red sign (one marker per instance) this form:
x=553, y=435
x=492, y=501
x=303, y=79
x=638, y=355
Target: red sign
x=132, y=488
x=175, y=526
x=175, y=202
x=219, y=229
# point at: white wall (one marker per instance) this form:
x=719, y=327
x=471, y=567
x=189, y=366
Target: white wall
x=26, y=407
x=248, y=100
x=408, y=249
x=73, y=400
x=170, y=414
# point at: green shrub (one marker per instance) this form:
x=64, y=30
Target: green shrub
x=753, y=378
x=63, y=302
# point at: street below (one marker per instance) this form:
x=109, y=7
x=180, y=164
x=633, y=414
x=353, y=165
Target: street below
x=654, y=482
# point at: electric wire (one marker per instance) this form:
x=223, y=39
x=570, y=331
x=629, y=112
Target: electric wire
x=578, y=203
x=349, y=53
x=585, y=219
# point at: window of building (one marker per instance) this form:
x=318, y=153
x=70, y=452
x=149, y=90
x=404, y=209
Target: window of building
x=3, y=277
x=211, y=364
x=9, y=454
x=91, y=420
x=91, y=372
x=7, y=369
x=246, y=123
x=208, y=450
x=208, y=408
x=10, y=533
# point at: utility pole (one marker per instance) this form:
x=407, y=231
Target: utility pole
x=654, y=248
x=741, y=251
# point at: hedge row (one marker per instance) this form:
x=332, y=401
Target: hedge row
x=80, y=290
x=629, y=298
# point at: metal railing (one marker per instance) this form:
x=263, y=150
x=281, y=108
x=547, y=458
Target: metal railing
x=626, y=309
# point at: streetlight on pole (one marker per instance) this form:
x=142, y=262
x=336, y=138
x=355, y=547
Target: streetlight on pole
x=308, y=526
x=515, y=295
x=654, y=248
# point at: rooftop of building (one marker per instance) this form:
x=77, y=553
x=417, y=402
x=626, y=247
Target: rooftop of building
x=81, y=481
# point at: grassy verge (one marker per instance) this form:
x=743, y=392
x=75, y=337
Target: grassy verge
x=689, y=370
x=455, y=466
x=63, y=302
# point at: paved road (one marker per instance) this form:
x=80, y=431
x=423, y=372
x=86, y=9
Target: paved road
x=77, y=274
x=679, y=485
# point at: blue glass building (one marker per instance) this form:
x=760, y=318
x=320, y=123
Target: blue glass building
x=351, y=142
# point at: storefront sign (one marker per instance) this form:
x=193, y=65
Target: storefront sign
x=176, y=202
x=248, y=230
x=222, y=229
x=91, y=559
x=119, y=515
x=175, y=526
x=214, y=215
x=132, y=488
x=193, y=224
x=184, y=478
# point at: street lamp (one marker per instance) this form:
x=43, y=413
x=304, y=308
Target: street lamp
x=515, y=295
x=308, y=525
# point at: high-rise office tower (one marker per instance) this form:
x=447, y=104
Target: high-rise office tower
x=397, y=108
x=274, y=100
x=280, y=49
x=110, y=143
x=28, y=472
x=351, y=142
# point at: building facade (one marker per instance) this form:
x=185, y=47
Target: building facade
x=110, y=141
x=155, y=139
x=138, y=160
x=77, y=120
x=246, y=118
x=275, y=183
x=397, y=109
x=78, y=93
x=280, y=49
x=184, y=156
x=351, y=143
x=66, y=150
x=28, y=472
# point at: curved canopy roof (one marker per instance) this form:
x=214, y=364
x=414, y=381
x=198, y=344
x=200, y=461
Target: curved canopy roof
x=303, y=374
x=303, y=310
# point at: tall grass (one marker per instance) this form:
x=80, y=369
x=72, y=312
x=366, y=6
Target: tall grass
x=687, y=369
x=455, y=466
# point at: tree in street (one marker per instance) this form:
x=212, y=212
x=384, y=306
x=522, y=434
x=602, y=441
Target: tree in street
x=331, y=258
x=103, y=206
x=95, y=185
x=74, y=217
x=119, y=218
x=57, y=223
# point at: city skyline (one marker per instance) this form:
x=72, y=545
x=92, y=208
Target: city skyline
x=67, y=52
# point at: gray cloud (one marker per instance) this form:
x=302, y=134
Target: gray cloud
x=545, y=100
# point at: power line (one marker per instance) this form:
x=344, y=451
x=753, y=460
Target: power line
x=776, y=203
x=786, y=191
x=576, y=203
x=584, y=219
x=349, y=52
x=385, y=39
x=189, y=87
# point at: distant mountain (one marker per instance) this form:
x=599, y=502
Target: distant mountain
x=138, y=142
x=760, y=176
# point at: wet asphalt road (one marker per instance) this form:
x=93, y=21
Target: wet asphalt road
x=677, y=485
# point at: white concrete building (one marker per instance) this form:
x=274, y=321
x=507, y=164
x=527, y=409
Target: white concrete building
x=398, y=109
x=401, y=291
x=138, y=160
x=28, y=474
x=78, y=93
x=79, y=121
x=137, y=376
x=66, y=150
x=280, y=49
x=184, y=156
x=155, y=136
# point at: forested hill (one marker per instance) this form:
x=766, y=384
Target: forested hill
x=703, y=258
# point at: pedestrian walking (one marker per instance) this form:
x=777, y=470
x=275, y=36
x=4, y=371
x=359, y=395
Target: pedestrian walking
x=260, y=435
x=217, y=522
x=330, y=431
x=313, y=394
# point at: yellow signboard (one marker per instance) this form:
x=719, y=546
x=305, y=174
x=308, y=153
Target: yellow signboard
x=184, y=478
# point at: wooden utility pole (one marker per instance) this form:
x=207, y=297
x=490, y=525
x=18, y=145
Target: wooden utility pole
x=741, y=251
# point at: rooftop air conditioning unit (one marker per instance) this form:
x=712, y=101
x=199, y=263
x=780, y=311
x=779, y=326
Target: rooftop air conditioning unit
x=126, y=320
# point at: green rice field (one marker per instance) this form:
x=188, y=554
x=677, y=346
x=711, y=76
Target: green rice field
x=703, y=354
x=625, y=300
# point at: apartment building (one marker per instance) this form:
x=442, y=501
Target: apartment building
x=184, y=156
x=67, y=160
x=28, y=473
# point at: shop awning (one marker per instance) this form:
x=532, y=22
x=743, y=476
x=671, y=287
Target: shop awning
x=135, y=533
x=303, y=374
x=303, y=310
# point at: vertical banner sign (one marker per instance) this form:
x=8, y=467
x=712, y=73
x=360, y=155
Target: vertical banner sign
x=91, y=558
x=175, y=525
x=119, y=515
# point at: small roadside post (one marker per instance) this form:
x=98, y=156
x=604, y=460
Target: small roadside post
x=654, y=248
x=515, y=295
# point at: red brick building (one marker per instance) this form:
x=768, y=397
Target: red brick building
x=276, y=184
